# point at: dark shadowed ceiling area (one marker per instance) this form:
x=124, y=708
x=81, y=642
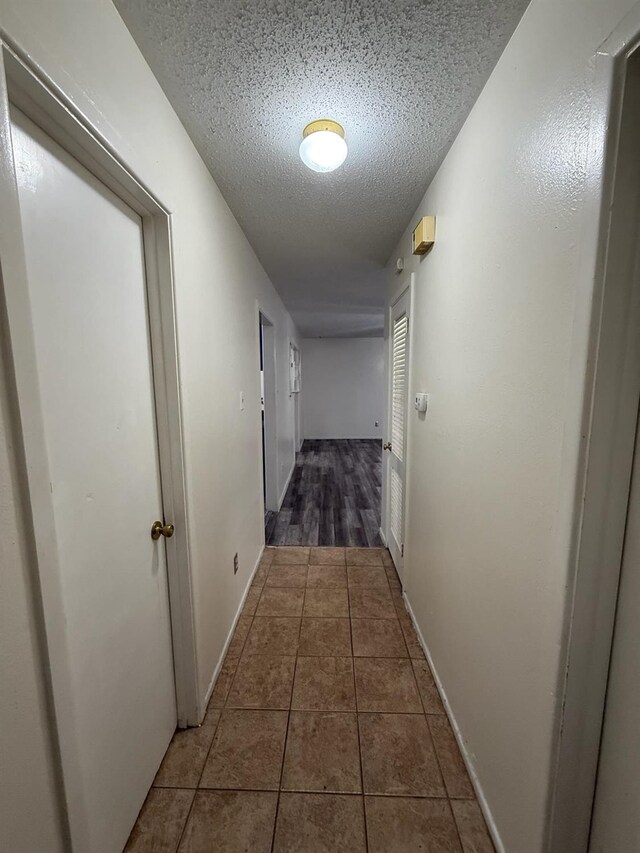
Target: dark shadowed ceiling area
x=246, y=77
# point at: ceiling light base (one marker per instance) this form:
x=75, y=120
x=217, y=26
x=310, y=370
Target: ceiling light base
x=323, y=124
x=323, y=147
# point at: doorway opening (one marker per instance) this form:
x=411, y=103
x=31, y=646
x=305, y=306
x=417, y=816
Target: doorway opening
x=333, y=498
x=337, y=401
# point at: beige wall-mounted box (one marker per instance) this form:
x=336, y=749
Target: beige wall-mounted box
x=424, y=235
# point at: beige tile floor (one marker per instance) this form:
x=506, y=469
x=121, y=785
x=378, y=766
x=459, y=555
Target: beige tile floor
x=325, y=731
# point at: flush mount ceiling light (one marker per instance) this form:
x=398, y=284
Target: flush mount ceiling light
x=323, y=148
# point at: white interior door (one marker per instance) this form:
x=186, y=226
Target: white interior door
x=87, y=287
x=616, y=815
x=396, y=444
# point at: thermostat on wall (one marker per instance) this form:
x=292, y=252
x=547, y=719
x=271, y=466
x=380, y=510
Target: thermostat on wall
x=420, y=402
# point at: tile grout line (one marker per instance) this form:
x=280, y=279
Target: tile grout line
x=219, y=718
x=355, y=696
x=455, y=823
x=186, y=823
x=215, y=731
x=235, y=671
x=426, y=715
x=296, y=656
x=250, y=618
x=438, y=762
x=196, y=789
x=286, y=734
x=320, y=710
x=377, y=794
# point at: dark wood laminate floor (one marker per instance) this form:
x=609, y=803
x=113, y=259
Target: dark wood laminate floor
x=334, y=497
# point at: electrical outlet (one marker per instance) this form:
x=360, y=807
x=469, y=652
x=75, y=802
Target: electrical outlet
x=235, y=563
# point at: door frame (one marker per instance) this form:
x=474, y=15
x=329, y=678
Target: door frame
x=295, y=396
x=404, y=286
x=27, y=87
x=604, y=382
x=297, y=428
x=270, y=451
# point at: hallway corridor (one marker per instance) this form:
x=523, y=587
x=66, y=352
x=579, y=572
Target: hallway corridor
x=333, y=498
x=325, y=731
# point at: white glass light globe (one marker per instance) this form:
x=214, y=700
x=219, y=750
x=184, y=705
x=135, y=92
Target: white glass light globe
x=323, y=150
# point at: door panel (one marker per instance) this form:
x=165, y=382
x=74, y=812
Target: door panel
x=396, y=446
x=616, y=814
x=87, y=287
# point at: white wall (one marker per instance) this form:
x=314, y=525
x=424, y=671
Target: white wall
x=492, y=466
x=85, y=48
x=343, y=392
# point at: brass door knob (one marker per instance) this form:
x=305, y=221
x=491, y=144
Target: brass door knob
x=159, y=529
x=387, y=446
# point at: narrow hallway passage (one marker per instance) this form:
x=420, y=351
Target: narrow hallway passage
x=325, y=730
x=333, y=498
x=282, y=284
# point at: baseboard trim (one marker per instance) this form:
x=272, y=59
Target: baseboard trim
x=344, y=438
x=286, y=486
x=218, y=667
x=482, y=800
x=383, y=537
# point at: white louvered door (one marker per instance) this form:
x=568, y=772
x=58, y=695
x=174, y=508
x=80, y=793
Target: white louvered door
x=397, y=441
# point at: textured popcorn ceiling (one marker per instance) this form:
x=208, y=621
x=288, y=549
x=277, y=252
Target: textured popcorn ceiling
x=246, y=77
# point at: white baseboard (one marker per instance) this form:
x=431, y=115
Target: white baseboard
x=383, y=537
x=286, y=486
x=344, y=438
x=218, y=667
x=482, y=800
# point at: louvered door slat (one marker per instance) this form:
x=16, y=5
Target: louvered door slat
x=399, y=386
x=397, y=425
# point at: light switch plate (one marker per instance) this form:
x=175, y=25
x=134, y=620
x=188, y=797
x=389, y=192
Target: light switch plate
x=421, y=401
